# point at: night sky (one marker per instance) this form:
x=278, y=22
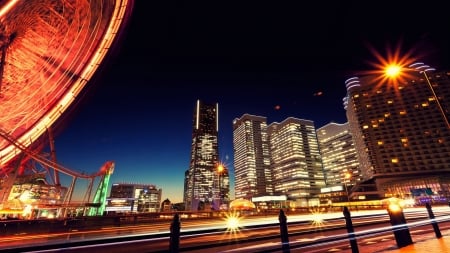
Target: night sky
x=276, y=59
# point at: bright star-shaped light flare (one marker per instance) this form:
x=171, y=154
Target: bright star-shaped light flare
x=232, y=220
x=317, y=218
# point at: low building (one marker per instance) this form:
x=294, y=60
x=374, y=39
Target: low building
x=134, y=198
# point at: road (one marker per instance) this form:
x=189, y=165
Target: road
x=255, y=234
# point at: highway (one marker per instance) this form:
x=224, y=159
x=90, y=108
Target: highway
x=317, y=232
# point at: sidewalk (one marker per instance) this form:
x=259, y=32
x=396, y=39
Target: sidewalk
x=421, y=243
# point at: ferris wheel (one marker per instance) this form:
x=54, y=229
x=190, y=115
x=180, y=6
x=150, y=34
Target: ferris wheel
x=49, y=50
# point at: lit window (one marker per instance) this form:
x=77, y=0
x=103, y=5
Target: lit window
x=380, y=143
x=404, y=140
x=402, y=112
x=365, y=126
x=394, y=160
x=425, y=104
x=390, y=101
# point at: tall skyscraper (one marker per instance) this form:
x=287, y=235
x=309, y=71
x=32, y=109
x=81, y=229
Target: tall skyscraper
x=401, y=132
x=340, y=162
x=339, y=158
x=295, y=161
x=202, y=178
x=253, y=177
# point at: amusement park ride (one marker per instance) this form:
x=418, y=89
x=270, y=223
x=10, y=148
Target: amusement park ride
x=49, y=50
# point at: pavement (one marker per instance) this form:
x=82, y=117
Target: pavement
x=427, y=243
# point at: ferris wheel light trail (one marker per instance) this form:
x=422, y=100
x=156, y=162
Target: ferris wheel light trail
x=7, y=7
x=53, y=51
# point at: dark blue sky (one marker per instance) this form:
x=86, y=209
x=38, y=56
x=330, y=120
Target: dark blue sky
x=249, y=57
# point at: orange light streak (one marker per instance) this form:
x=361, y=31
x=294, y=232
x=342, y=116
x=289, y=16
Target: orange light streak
x=7, y=7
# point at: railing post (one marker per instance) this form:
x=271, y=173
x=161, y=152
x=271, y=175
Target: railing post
x=350, y=230
x=398, y=222
x=284, y=232
x=436, y=229
x=175, y=234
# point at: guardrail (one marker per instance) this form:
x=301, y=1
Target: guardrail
x=174, y=235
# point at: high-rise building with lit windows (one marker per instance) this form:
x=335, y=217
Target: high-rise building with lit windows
x=340, y=162
x=401, y=132
x=202, y=180
x=296, y=163
x=251, y=157
x=339, y=158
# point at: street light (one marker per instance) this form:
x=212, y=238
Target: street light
x=347, y=176
x=393, y=71
x=220, y=170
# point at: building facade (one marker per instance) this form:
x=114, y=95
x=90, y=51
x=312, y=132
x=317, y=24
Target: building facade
x=401, y=132
x=340, y=160
x=202, y=179
x=253, y=177
x=296, y=162
x=134, y=198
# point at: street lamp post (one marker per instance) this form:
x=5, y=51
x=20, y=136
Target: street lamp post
x=347, y=176
x=220, y=169
x=423, y=69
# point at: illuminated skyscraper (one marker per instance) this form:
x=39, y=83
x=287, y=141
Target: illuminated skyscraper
x=339, y=158
x=401, y=132
x=295, y=161
x=251, y=157
x=202, y=178
x=340, y=162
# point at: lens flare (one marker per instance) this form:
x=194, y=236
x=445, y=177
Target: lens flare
x=390, y=69
x=232, y=220
x=317, y=217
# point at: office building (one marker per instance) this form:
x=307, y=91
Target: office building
x=295, y=161
x=253, y=177
x=202, y=179
x=339, y=158
x=340, y=161
x=401, y=132
x=134, y=198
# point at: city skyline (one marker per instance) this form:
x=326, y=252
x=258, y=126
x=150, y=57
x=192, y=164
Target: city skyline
x=139, y=112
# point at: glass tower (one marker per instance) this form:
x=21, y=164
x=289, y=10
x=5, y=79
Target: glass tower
x=251, y=157
x=340, y=161
x=201, y=179
x=296, y=161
